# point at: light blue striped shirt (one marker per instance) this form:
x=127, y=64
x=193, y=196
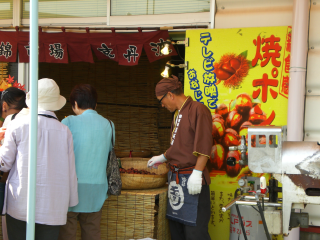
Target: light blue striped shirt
x=92, y=143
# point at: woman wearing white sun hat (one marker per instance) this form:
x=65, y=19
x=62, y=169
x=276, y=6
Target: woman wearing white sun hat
x=56, y=186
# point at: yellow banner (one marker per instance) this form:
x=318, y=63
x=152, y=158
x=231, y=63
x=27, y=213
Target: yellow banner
x=242, y=75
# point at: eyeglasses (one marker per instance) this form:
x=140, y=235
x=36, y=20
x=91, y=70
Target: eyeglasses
x=160, y=101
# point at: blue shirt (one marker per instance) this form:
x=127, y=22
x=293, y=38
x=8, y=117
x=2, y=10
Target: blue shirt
x=92, y=143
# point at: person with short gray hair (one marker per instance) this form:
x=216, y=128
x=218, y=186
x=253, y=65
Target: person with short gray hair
x=92, y=136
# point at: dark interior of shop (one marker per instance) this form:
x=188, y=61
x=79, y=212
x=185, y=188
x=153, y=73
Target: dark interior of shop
x=125, y=96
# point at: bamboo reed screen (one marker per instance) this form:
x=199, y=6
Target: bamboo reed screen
x=135, y=214
x=126, y=95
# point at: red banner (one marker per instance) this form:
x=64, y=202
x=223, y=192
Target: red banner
x=153, y=46
x=8, y=46
x=79, y=47
x=129, y=54
x=61, y=47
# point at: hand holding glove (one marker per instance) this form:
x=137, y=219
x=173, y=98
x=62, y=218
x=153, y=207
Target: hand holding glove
x=194, y=184
x=155, y=161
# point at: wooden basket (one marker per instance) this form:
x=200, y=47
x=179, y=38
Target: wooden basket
x=142, y=181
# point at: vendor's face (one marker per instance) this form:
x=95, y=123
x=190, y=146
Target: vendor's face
x=166, y=101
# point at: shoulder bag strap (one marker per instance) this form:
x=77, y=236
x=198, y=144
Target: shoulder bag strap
x=48, y=116
x=111, y=133
x=13, y=116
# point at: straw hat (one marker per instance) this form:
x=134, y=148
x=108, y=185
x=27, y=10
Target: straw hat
x=49, y=97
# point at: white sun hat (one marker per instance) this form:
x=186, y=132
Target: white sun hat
x=49, y=97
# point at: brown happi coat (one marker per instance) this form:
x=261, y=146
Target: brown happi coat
x=191, y=135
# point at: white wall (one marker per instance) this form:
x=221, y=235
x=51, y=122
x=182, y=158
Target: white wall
x=253, y=13
x=312, y=103
x=312, y=107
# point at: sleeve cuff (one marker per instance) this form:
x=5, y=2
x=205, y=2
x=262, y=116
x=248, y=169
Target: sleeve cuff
x=197, y=154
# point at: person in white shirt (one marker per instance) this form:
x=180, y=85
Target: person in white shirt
x=9, y=118
x=56, y=181
x=3, y=179
x=12, y=100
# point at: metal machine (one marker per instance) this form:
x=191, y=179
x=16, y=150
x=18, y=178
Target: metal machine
x=296, y=165
x=248, y=211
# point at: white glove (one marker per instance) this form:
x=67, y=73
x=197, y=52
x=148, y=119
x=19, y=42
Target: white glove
x=195, y=182
x=155, y=161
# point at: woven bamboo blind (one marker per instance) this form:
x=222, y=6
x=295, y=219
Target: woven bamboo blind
x=126, y=95
x=135, y=214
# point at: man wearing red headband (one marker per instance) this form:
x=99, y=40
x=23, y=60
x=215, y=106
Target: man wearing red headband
x=190, y=145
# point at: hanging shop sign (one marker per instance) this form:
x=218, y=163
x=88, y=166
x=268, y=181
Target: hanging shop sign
x=242, y=76
x=63, y=47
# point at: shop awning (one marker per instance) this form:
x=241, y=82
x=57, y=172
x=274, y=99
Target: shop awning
x=65, y=47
